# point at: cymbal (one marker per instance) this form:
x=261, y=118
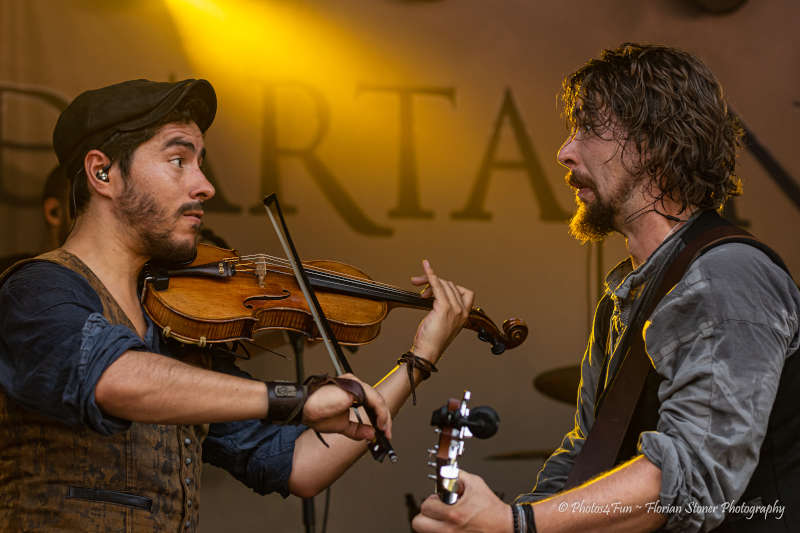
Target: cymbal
x=520, y=455
x=560, y=384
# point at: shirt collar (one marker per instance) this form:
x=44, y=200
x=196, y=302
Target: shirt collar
x=623, y=278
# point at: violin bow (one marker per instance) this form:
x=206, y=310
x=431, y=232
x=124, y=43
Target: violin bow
x=380, y=446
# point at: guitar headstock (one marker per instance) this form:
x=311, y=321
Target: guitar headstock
x=455, y=423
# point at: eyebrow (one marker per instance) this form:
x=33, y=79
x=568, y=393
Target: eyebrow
x=179, y=141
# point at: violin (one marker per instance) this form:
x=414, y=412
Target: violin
x=223, y=297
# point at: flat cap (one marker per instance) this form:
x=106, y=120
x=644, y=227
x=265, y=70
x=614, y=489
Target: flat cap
x=94, y=116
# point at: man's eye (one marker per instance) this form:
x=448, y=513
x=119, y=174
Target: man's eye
x=177, y=161
x=581, y=131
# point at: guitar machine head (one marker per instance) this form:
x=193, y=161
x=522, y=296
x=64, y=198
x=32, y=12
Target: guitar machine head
x=455, y=422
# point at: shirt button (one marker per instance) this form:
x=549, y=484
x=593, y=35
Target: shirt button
x=188, y=480
x=188, y=460
x=187, y=441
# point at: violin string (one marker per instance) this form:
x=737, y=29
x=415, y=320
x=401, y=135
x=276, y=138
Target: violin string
x=331, y=274
x=276, y=261
x=356, y=283
x=248, y=260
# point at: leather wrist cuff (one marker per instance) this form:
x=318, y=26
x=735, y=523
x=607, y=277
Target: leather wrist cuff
x=530, y=523
x=286, y=401
x=425, y=367
x=522, y=516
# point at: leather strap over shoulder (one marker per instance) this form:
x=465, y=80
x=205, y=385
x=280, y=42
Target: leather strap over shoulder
x=606, y=436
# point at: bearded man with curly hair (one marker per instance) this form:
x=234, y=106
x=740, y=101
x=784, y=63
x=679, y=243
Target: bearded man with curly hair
x=684, y=418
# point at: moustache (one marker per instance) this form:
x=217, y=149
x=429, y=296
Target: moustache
x=578, y=181
x=190, y=206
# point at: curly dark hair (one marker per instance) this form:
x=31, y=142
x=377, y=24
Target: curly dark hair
x=668, y=106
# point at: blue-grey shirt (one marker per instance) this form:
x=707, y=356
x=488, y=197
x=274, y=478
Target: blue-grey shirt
x=719, y=340
x=55, y=344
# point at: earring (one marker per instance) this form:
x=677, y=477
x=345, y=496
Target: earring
x=102, y=175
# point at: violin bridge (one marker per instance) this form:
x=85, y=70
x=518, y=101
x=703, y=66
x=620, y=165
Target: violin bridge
x=261, y=270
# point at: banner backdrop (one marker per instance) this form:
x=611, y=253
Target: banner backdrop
x=396, y=130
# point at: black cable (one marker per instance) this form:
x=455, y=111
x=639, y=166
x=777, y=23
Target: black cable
x=644, y=210
x=670, y=217
x=297, y=342
x=600, y=273
x=327, y=506
x=589, y=287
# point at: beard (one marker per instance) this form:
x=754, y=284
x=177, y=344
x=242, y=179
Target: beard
x=153, y=225
x=594, y=221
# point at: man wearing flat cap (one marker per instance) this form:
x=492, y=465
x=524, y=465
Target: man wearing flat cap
x=101, y=429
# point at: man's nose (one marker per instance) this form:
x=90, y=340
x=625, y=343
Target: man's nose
x=566, y=154
x=202, y=190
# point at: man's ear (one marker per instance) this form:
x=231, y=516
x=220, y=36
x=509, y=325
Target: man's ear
x=97, y=166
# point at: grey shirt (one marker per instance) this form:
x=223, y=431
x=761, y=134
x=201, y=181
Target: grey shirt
x=719, y=340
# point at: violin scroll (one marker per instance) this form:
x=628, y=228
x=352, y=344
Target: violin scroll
x=514, y=331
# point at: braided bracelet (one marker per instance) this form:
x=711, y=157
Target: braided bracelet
x=424, y=366
x=515, y=511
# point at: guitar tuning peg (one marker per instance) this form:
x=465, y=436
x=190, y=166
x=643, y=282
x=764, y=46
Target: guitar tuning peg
x=437, y=430
x=432, y=477
x=434, y=450
x=432, y=464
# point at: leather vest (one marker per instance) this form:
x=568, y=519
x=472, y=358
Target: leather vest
x=776, y=479
x=57, y=477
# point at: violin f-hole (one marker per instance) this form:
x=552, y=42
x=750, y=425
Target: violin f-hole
x=265, y=297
